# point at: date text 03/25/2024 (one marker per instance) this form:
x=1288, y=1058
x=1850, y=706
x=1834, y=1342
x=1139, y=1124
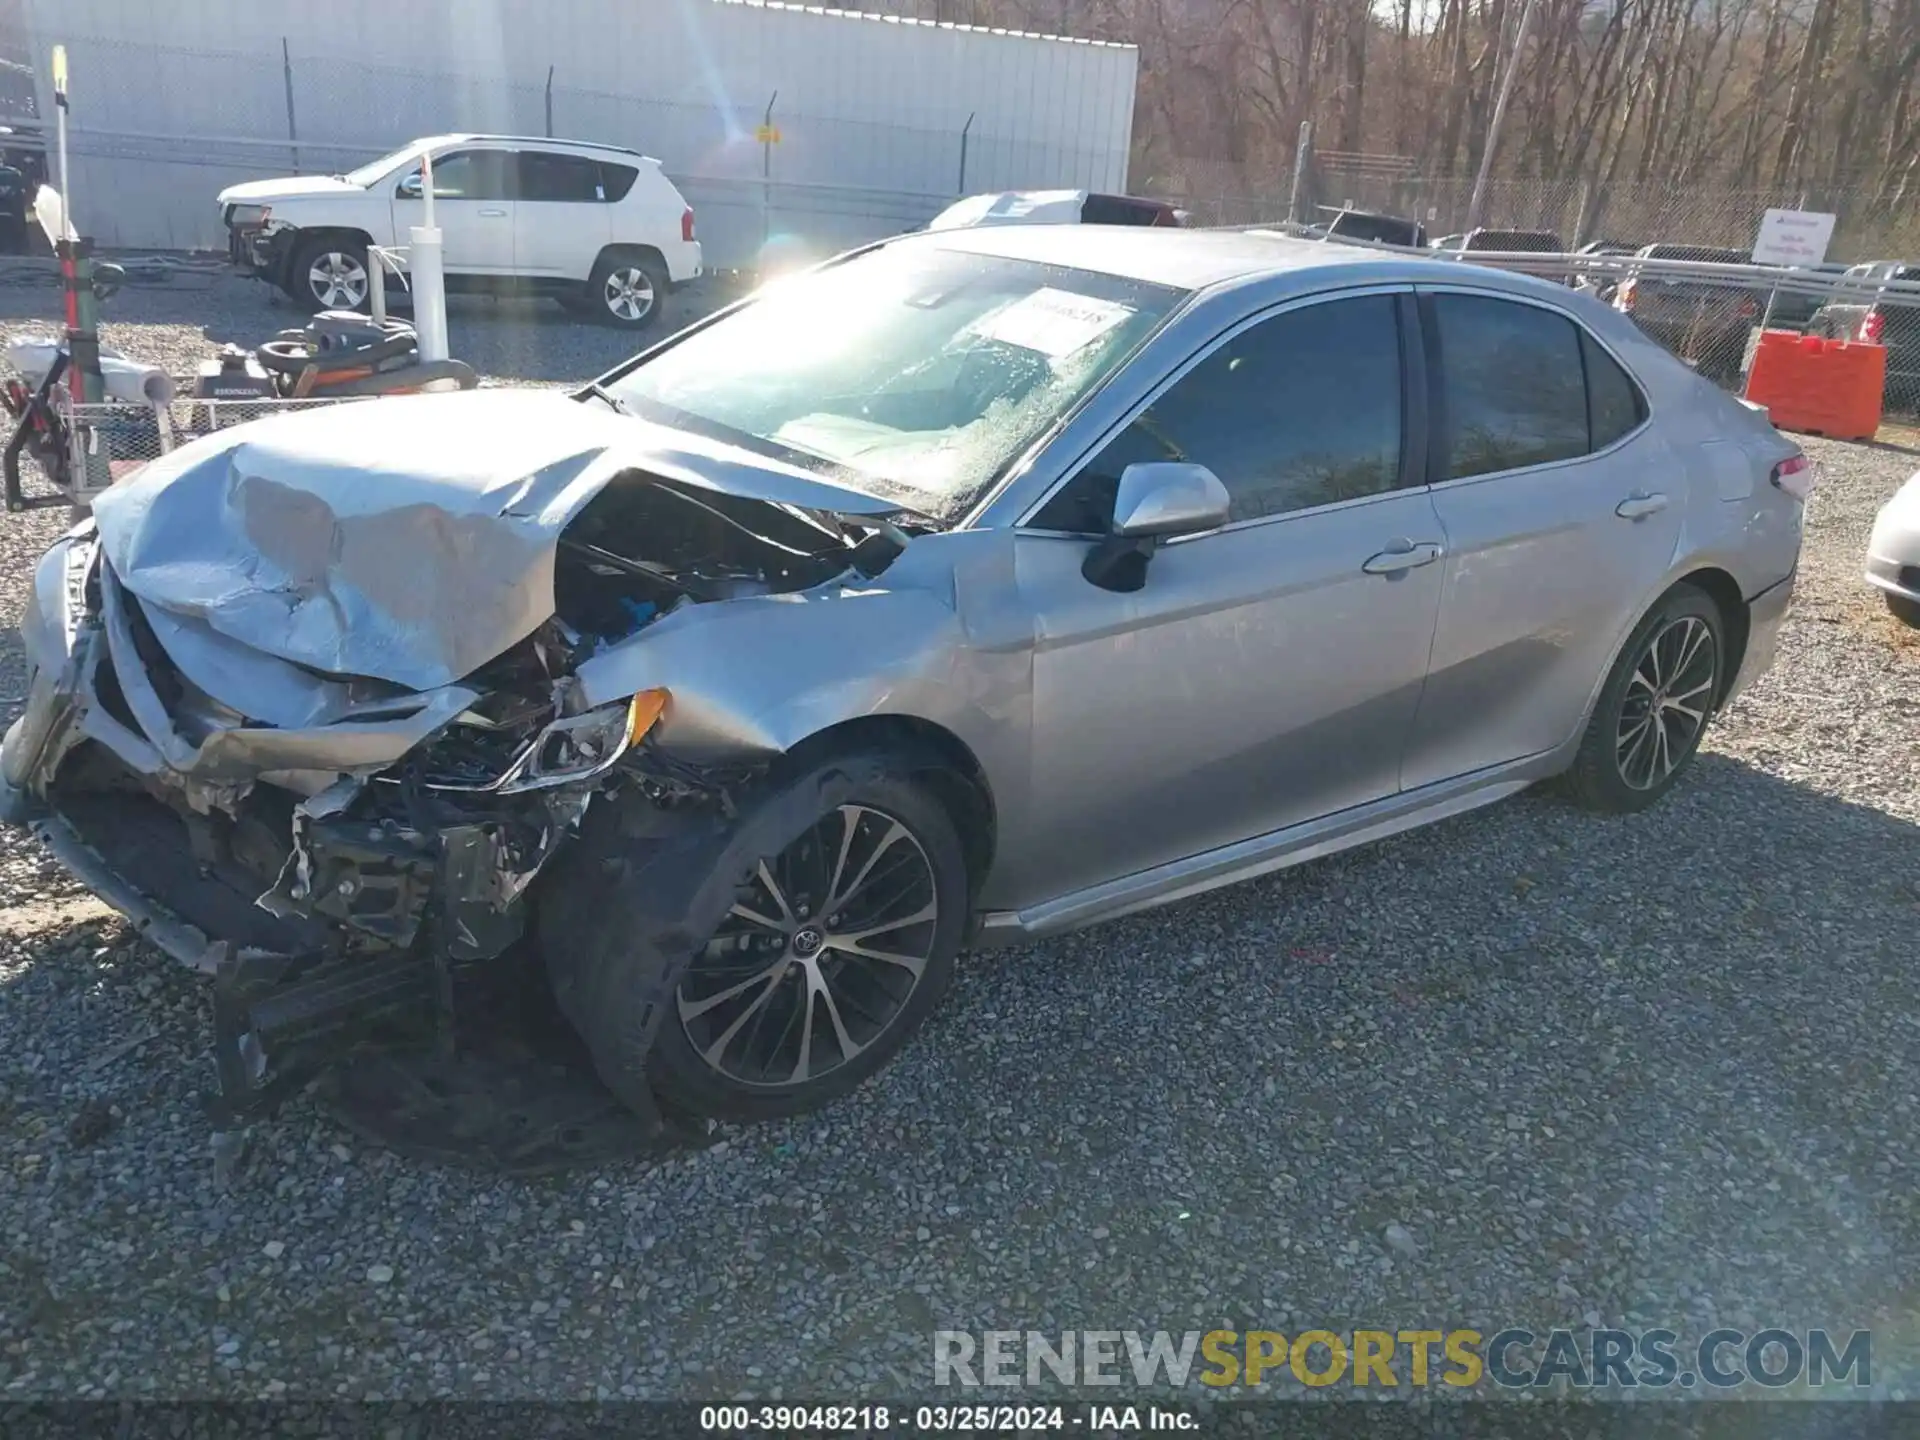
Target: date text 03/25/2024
x=941, y=1419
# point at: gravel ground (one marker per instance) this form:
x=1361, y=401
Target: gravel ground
x=1651, y=1071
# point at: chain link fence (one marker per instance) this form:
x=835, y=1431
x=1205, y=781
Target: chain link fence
x=1709, y=306
x=111, y=440
x=1870, y=225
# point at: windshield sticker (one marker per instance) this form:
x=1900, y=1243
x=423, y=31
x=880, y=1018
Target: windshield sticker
x=1054, y=323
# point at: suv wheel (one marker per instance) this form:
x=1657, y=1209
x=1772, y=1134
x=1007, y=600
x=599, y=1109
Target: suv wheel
x=329, y=272
x=627, y=290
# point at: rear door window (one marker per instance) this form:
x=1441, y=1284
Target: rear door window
x=1514, y=385
x=566, y=179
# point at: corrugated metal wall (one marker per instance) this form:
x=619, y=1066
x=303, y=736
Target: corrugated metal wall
x=171, y=102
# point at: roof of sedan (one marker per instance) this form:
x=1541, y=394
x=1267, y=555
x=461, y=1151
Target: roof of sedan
x=1189, y=259
x=1199, y=259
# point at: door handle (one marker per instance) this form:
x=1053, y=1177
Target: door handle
x=494, y=214
x=1396, y=562
x=1636, y=507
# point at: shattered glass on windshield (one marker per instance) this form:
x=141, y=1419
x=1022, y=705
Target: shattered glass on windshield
x=914, y=372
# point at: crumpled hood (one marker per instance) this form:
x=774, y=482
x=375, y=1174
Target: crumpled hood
x=408, y=539
x=293, y=187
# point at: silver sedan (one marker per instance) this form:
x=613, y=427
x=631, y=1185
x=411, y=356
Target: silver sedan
x=972, y=587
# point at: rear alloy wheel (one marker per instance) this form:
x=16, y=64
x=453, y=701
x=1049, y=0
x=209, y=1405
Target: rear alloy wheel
x=330, y=274
x=627, y=290
x=1654, y=707
x=834, y=952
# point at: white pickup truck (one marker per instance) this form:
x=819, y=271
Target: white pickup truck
x=599, y=228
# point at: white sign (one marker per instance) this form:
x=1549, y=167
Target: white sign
x=1793, y=237
x=1053, y=322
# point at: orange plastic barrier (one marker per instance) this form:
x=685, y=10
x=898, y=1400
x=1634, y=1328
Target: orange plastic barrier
x=1819, y=386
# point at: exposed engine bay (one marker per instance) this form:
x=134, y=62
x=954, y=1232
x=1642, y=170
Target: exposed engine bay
x=339, y=849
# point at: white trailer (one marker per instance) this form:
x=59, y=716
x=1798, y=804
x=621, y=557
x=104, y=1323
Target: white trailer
x=783, y=125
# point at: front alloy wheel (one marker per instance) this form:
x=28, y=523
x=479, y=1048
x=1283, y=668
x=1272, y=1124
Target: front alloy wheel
x=820, y=956
x=337, y=280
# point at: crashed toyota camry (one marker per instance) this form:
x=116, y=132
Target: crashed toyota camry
x=976, y=586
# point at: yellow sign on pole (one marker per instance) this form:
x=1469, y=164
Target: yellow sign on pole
x=767, y=134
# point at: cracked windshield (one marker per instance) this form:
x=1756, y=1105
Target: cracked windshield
x=915, y=373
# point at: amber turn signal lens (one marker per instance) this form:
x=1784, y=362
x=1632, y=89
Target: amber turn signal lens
x=643, y=712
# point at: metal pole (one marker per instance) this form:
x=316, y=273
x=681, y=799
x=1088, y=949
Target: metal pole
x=1301, y=150
x=60, y=131
x=766, y=172
x=549, y=102
x=377, y=285
x=1499, y=115
x=428, y=276
x=84, y=382
x=293, y=130
x=963, y=155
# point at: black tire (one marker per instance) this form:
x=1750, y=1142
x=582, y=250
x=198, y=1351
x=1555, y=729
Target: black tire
x=1906, y=611
x=628, y=290
x=875, y=1005
x=1624, y=765
x=340, y=256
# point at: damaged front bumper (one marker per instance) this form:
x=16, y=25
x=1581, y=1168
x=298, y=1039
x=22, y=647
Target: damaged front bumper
x=330, y=899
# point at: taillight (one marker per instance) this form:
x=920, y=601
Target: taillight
x=686, y=224
x=1625, y=296
x=1873, y=329
x=1794, y=475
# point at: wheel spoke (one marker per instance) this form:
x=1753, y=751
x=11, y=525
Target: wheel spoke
x=754, y=917
x=1638, y=744
x=849, y=827
x=779, y=896
x=848, y=1049
x=1696, y=636
x=761, y=977
x=837, y=899
x=1652, y=663
x=718, y=1048
x=855, y=942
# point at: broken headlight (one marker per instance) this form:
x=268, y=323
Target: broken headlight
x=575, y=747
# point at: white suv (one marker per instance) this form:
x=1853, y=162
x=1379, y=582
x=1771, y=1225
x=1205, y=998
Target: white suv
x=599, y=228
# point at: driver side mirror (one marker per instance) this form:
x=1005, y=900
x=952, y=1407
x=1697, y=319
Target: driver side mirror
x=1157, y=500
x=409, y=187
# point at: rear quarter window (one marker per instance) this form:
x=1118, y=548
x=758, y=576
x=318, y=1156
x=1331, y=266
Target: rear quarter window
x=617, y=180
x=1615, y=406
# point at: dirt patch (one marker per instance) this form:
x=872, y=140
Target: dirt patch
x=38, y=917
